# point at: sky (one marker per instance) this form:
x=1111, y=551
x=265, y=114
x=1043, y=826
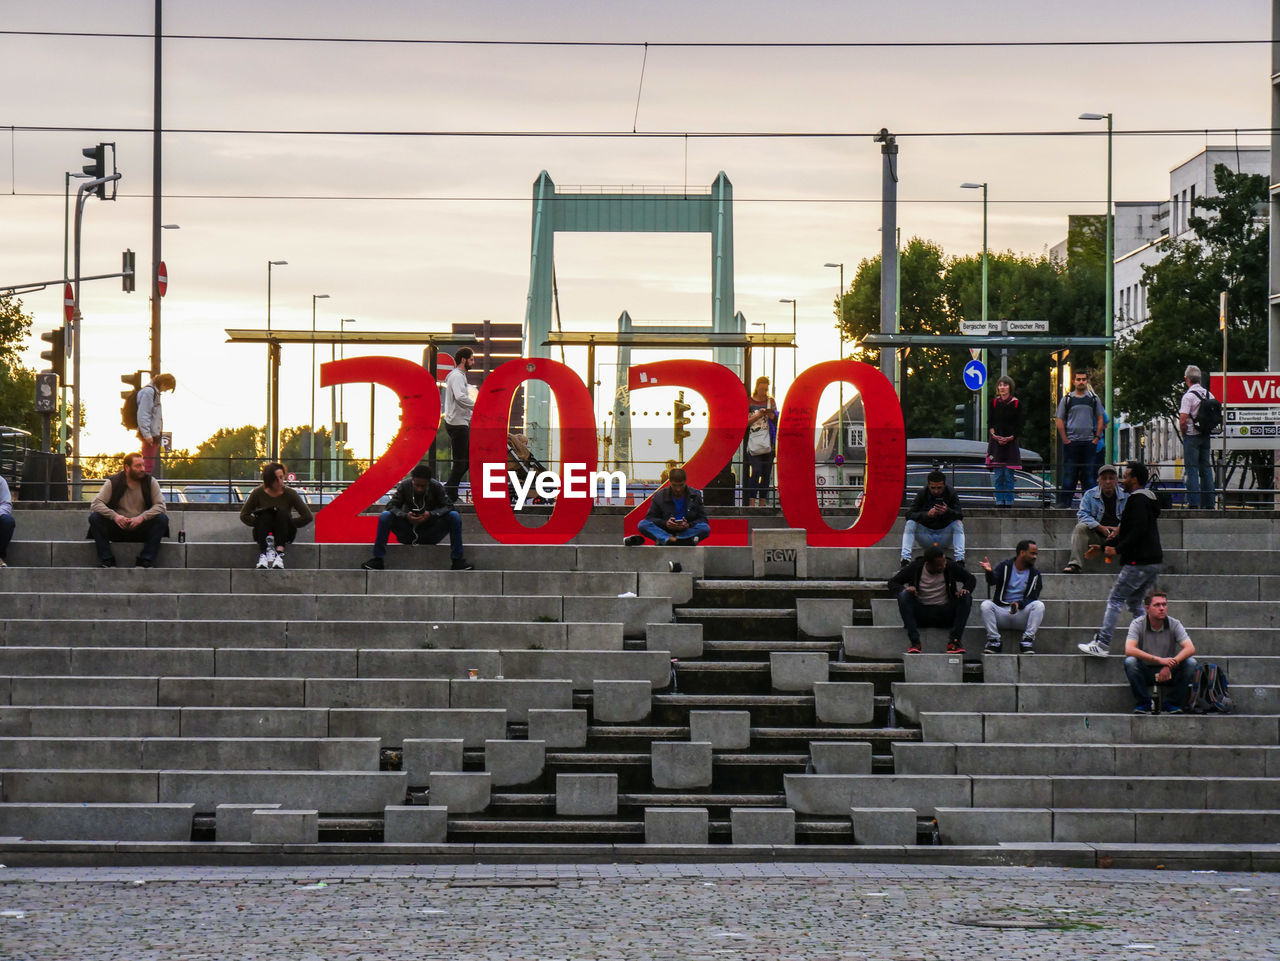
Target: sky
x=415, y=233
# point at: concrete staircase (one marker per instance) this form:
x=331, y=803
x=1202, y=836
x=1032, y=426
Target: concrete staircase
x=584, y=700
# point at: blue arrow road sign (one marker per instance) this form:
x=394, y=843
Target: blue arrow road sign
x=975, y=374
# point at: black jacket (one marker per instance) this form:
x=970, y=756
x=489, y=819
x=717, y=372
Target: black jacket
x=405, y=499
x=1138, y=539
x=1006, y=417
x=999, y=577
x=919, y=510
x=952, y=573
x=663, y=506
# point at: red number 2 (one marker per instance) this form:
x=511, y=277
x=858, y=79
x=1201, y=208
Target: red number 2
x=341, y=521
x=727, y=425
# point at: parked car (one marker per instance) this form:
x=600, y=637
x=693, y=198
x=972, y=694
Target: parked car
x=208, y=494
x=973, y=485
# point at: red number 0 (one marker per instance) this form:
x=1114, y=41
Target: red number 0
x=341, y=521
x=727, y=415
x=489, y=423
x=886, y=452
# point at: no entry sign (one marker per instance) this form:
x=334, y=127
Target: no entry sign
x=68, y=302
x=162, y=278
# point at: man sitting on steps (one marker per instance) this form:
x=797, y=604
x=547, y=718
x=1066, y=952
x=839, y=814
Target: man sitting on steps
x=1158, y=649
x=934, y=592
x=675, y=517
x=1016, y=602
x=1098, y=517
x=419, y=512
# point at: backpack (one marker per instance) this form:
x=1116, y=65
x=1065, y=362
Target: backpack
x=1208, y=415
x=1209, y=691
x=129, y=410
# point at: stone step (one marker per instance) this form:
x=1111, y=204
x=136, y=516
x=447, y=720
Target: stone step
x=889, y=643
x=733, y=623
x=345, y=634
x=832, y=794
x=1087, y=615
x=1076, y=728
x=911, y=699
x=1139, y=760
x=194, y=753
x=1009, y=825
x=298, y=664
x=336, y=792
x=632, y=612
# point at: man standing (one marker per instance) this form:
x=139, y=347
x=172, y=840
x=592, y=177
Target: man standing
x=458, y=405
x=419, y=512
x=676, y=517
x=6, y=520
x=1137, y=543
x=1015, y=604
x=1197, y=459
x=1158, y=649
x=1080, y=425
x=130, y=507
x=151, y=420
x=934, y=519
x=1098, y=517
x=934, y=592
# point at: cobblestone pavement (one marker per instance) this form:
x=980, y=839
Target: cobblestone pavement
x=671, y=912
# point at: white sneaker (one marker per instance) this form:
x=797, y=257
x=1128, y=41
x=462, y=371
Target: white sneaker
x=263, y=562
x=1094, y=647
x=277, y=560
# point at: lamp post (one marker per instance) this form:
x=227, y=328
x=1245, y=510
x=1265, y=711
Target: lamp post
x=840, y=355
x=791, y=301
x=774, y=376
x=311, y=420
x=66, y=279
x=273, y=361
x=1110, y=282
x=982, y=408
x=336, y=412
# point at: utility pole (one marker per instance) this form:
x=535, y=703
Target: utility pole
x=156, y=201
x=888, y=247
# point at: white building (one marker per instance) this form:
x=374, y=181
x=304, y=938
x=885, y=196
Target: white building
x=1142, y=232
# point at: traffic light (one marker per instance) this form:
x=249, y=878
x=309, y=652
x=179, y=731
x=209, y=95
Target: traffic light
x=127, y=272
x=98, y=168
x=679, y=431
x=46, y=401
x=134, y=381
x=962, y=422
x=55, y=355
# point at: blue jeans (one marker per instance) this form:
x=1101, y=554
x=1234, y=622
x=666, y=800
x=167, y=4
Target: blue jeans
x=1197, y=470
x=6, y=533
x=659, y=534
x=1142, y=675
x=1134, y=581
x=430, y=531
x=759, y=470
x=1077, y=466
x=104, y=532
x=952, y=536
x=953, y=615
x=1002, y=482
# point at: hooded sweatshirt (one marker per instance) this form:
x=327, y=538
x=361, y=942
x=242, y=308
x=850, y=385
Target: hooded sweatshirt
x=1138, y=539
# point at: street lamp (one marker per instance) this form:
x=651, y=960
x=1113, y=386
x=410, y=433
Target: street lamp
x=311, y=420
x=1110, y=279
x=273, y=355
x=336, y=411
x=840, y=332
x=791, y=301
x=773, y=378
x=1004, y=361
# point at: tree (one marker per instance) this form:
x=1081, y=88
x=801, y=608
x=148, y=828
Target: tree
x=18, y=383
x=1228, y=253
x=938, y=292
